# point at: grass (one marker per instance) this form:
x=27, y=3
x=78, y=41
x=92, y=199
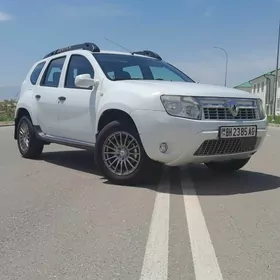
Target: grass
x=277, y=119
x=7, y=110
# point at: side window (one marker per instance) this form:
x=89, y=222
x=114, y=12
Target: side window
x=162, y=73
x=262, y=86
x=36, y=72
x=134, y=71
x=78, y=65
x=111, y=74
x=52, y=74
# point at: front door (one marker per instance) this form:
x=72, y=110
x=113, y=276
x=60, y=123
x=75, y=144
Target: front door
x=77, y=113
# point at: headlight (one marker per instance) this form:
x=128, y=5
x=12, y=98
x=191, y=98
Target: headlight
x=181, y=106
x=261, y=109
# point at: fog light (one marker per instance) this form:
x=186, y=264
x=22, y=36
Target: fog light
x=163, y=147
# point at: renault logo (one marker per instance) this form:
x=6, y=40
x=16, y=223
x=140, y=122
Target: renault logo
x=233, y=108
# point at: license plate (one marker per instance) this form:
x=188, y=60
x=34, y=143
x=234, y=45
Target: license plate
x=238, y=131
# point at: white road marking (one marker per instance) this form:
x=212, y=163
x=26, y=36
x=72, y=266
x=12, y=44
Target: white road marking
x=204, y=258
x=155, y=265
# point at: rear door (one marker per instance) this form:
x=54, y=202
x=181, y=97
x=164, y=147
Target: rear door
x=77, y=111
x=47, y=97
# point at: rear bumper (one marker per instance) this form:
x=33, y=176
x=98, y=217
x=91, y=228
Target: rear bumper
x=184, y=137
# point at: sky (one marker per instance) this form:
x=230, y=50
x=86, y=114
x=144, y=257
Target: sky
x=183, y=32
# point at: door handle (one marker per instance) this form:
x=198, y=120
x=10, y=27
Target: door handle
x=62, y=98
x=37, y=96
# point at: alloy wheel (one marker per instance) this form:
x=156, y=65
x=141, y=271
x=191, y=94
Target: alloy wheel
x=121, y=153
x=24, y=136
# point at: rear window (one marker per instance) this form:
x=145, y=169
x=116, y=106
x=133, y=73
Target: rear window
x=36, y=72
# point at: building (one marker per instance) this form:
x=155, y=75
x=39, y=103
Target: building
x=245, y=86
x=263, y=87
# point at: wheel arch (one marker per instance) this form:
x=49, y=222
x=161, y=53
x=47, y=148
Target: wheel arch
x=113, y=114
x=20, y=112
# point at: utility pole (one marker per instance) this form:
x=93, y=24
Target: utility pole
x=276, y=79
x=226, y=63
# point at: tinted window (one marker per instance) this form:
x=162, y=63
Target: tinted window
x=36, y=72
x=162, y=73
x=134, y=72
x=78, y=65
x=132, y=67
x=52, y=75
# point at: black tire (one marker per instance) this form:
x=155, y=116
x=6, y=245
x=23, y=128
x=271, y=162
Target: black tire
x=227, y=166
x=145, y=165
x=35, y=147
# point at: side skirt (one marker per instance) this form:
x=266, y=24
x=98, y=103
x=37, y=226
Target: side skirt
x=47, y=139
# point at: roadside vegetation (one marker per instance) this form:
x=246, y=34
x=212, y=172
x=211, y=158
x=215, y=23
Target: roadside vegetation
x=7, y=110
x=277, y=119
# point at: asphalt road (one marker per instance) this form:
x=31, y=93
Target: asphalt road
x=59, y=219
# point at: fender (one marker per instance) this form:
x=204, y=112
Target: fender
x=27, y=108
x=110, y=106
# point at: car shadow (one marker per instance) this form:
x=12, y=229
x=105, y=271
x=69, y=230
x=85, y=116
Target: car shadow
x=207, y=182
x=83, y=161
x=80, y=160
x=204, y=180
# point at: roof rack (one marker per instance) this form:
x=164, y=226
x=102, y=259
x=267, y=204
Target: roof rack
x=84, y=46
x=148, y=53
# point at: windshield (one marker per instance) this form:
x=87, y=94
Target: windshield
x=130, y=67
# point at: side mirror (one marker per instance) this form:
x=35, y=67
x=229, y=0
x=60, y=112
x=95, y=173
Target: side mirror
x=84, y=81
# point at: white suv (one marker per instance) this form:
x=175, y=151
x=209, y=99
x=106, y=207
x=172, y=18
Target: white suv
x=135, y=110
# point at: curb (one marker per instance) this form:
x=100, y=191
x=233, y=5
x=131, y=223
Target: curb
x=6, y=124
x=274, y=124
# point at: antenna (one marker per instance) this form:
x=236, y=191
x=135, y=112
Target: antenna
x=118, y=45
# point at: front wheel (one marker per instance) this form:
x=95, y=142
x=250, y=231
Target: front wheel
x=227, y=166
x=119, y=154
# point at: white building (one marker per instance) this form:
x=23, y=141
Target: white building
x=245, y=86
x=263, y=87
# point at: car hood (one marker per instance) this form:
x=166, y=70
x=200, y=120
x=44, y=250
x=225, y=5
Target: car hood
x=184, y=88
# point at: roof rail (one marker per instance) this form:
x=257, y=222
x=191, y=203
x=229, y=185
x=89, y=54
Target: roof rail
x=148, y=53
x=84, y=46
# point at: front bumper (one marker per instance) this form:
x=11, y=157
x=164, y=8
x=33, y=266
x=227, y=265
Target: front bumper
x=184, y=137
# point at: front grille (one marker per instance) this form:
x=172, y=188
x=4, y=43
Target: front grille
x=220, y=108
x=226, y=146
x=225, y=114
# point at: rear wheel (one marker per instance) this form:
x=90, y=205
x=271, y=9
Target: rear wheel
x=28, y=145
x=119, y=154
x=227, y=166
